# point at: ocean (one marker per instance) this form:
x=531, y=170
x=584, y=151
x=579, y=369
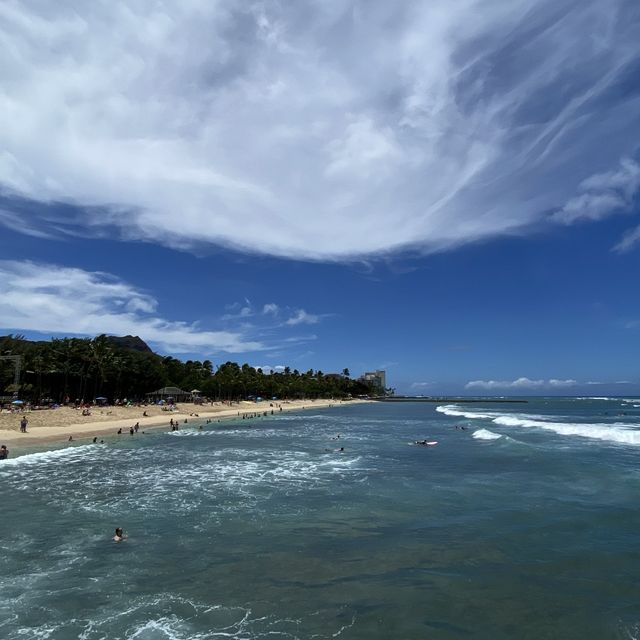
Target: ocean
x=525, y=524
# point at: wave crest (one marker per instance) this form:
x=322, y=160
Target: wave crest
x=628, y=434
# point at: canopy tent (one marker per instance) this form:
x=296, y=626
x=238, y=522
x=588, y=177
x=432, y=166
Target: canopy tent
x=169, y=393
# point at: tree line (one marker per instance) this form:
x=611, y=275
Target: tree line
x=70, y=369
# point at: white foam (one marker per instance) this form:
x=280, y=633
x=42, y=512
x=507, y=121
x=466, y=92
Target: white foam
x=617, y=432
x=455, y=411
x=166, y=628
x=485, y=434
x=43, y=457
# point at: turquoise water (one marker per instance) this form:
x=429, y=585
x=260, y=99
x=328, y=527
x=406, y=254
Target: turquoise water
x=523, y=525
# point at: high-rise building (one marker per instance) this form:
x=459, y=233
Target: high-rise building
x=378, y=377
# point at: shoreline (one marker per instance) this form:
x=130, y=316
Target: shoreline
x=107, y=426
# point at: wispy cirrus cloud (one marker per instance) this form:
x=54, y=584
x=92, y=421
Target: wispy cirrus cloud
x=630, y=240
x=520, y=383
x=301, y=316
x=53, y=299
x=603, y=194
x=334, y=130
x=272, y=313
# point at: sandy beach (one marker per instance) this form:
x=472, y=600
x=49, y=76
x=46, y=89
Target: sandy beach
x=56, y=425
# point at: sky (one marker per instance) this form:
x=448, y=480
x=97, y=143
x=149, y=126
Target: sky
x=449, y=191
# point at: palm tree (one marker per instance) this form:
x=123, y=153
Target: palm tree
x=102, y=357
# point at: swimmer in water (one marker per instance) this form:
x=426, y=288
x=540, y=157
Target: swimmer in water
x=119, y=535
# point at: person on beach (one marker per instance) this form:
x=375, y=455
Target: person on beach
x=4, y=452
x=119, y=535
x=23, y=424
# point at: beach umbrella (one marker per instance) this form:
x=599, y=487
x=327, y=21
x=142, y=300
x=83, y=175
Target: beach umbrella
x=101, y=398
x=17, y=402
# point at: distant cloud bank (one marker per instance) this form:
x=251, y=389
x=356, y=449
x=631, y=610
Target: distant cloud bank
x=520, y=383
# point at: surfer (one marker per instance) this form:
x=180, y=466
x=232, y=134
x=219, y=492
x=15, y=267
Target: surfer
x=4, y=452
x=119, y=535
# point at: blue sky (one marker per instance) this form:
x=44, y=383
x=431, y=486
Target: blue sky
x=445, y=190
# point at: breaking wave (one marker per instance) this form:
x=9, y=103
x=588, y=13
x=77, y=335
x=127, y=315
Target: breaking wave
x=616, y=432
x=485, y=434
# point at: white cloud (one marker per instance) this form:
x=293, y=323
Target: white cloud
x=420, y=385
x=629, y=241
x=603, y=194
x=519, y=383
x=302, y=317
x=268, y=369
x=562, y=383
x=60, y=300
x=317, y=130
x=15, y=222
x=270, y=316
